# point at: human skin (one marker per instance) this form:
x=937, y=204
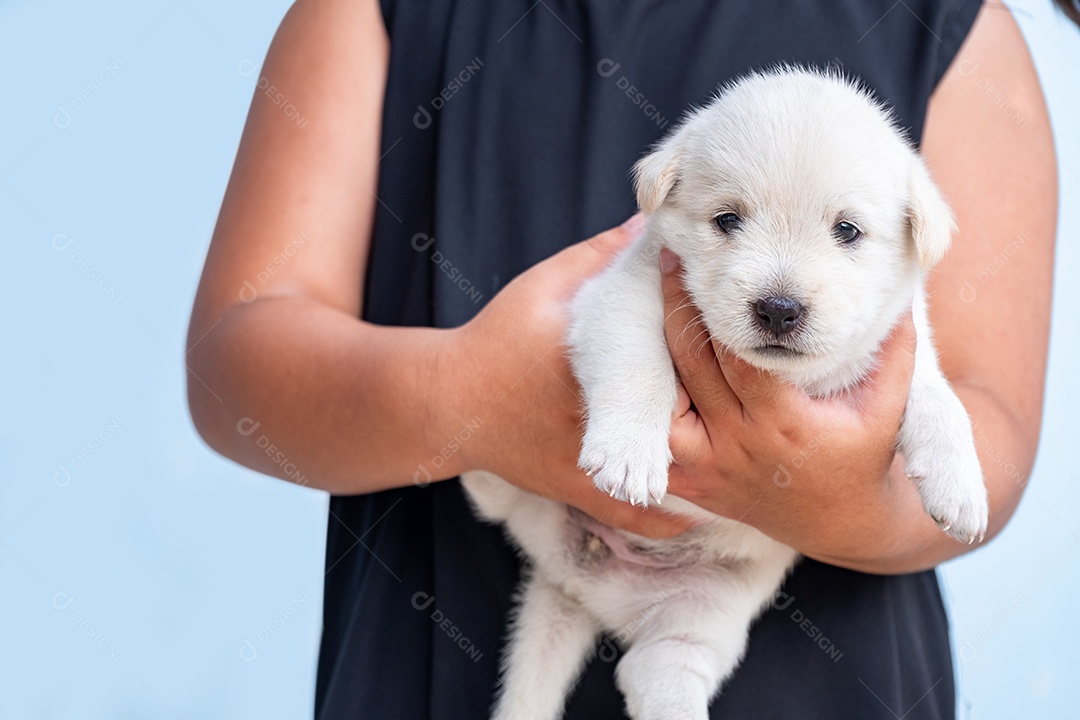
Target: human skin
x=359, y=407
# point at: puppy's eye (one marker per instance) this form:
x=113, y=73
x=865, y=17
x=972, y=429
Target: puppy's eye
x=728, y=223
x=846, y=233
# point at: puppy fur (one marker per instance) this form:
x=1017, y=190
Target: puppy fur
x=790, y=153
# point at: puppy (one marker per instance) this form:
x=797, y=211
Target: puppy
x=804, y=222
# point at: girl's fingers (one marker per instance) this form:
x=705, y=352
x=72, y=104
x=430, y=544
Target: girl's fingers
x=690, y=346
x=589, y=257
x=884, y=394
x=758, y=391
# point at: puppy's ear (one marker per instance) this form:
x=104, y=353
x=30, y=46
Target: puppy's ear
x=929, y=217
x=656, y=173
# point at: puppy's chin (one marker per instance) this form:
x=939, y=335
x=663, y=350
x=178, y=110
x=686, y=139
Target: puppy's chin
x=814, y=372
x=776, y=358
x=819, y=372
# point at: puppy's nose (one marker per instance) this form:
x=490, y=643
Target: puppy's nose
x=778, y=314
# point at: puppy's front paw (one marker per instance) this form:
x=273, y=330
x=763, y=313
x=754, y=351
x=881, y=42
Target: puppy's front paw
x=626, y=464
x=951, y=486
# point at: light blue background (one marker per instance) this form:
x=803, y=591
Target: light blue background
x=144, y=577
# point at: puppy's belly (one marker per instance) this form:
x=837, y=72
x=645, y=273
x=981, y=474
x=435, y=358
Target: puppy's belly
x=622, y=586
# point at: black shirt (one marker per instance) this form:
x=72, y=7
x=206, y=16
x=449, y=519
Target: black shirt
x=509, y=129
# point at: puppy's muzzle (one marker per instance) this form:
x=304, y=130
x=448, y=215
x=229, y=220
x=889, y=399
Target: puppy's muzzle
x=778, y=315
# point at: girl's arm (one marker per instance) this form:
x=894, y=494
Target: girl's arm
x=282, y=375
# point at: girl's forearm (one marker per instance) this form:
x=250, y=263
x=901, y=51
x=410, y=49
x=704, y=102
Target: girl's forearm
x=304, y=392
x=897, y=536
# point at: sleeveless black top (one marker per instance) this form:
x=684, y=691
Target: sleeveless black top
x=509, y=130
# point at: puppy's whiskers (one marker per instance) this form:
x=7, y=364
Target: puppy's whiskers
x=682, y=306
x=707, y=341
x=686, y=327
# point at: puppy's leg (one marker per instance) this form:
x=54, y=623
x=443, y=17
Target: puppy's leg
x=550, y=641
x=674, y=677
x=685, y=652
x=938, y=446
x=620, y=357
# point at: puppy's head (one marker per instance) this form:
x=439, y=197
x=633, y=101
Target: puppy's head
x=802, y=216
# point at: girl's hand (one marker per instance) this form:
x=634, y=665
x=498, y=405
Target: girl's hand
x=512, y=376
x=753, y=448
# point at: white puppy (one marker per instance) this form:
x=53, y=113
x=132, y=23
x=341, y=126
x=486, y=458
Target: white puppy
x=804, y=222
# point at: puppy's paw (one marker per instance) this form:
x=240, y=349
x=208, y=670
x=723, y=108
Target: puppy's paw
x=628, y=465
x=952, y=490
